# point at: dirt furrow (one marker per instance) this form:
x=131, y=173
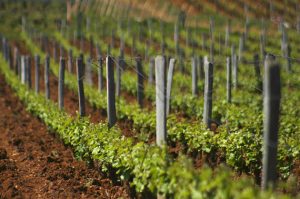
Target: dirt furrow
x=35, y=164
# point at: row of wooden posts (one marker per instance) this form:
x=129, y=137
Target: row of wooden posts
x=163, y=84
x=239, y=54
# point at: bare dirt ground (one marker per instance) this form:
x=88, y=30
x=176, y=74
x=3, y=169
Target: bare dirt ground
x=35, y=164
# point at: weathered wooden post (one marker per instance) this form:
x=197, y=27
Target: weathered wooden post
x=28, y=71
x=228, y=80
x=272, y=94
x=37, y=73
x=122, y=47
x=3, y=40
x=10, y=58
x=208, y=91
x=262, y=46
x=70, y=60
x=20, y=67
x=194, y=77
x=140, y=81
x=100, y=74
x=160, y=79
x=169, y=83
x=211, y=31
x=80, y=77
x=256, y=66
x=288, y=59
x=200, y=63
x=234, y=63
x=284, y=41
x=88, y=71
x=151, y=68
x=118, y=75
x=23, y=69
x=257, y=73
x=81, y=56
x=110, y=82
x=7, y=52
x=16, y=60
x=4, y=48
x=61, y=81
x=47, y=81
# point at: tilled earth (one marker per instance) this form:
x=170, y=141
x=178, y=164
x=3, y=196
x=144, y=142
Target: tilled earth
x=35, y=164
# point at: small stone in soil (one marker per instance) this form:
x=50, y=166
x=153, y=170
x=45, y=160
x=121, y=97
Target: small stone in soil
x=3, y=154
x=53, y=157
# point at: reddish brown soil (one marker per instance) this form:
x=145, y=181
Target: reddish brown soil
x=34, y=164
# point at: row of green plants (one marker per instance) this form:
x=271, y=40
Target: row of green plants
x=148, y=167
x=192, y=106
x=252, y=46
x=242, y=122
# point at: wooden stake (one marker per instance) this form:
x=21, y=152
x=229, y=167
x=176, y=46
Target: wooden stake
x=228, y=85
x=28, y=71
x=37, y=73
x=169, y=83
x=110, y=82
x=88, y=71
x=47, y=82
x=80, y=77
x=23, y=69
x=194, y=77
x=140, y=81
x=208, y=91
x=160, y=74
x=151, y=68
x=61, y=81
x=16, y=60
x=272, y=94
x=118, y=76
x=100, y=74
x=257, y=73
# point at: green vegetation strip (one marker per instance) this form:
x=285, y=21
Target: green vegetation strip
x=239, y=141
x=147, y=165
